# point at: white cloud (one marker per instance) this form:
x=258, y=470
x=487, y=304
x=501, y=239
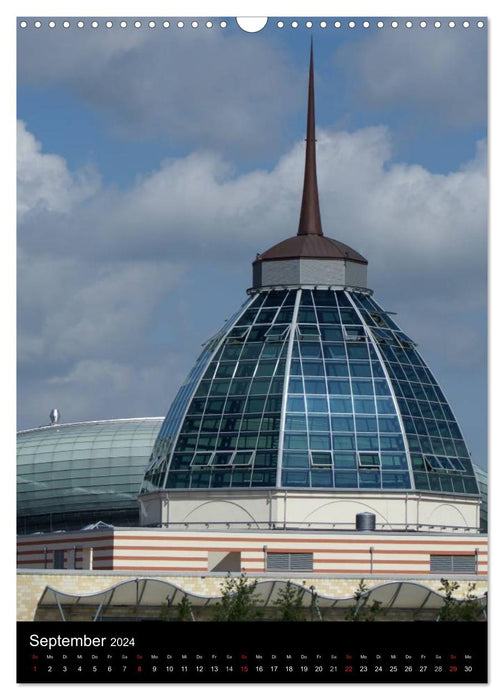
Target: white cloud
x=437, y=73
x=44, y=181
x=105, y=324
x=221, y=89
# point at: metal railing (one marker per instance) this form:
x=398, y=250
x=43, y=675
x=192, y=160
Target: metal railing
x=315, y=525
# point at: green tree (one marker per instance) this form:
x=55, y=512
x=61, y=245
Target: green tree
x=459, y=609
x=361, y=611
x=184, y=610
x=238, y=602
x=289, y=603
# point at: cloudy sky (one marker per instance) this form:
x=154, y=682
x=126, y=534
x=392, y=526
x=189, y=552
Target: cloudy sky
x=154, y=163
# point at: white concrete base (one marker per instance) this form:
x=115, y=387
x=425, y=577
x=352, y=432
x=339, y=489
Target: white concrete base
x=280, y=508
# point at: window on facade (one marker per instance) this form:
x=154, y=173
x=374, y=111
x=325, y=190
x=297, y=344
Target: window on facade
x=377, y=318
x=355, y=333
x=59, y=559
x=276, y=332
x=369, y=460
x=289, y=561
x=237, y=335
x=404, y=340
x=242, y=458
x=452, y=563
x=201, y=458
x=321, y=460
x=307, y=332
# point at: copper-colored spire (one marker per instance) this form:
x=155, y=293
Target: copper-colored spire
x=309, y=220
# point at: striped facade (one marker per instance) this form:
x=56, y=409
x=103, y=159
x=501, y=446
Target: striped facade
x=199, y=552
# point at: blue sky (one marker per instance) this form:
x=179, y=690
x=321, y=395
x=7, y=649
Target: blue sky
x=155, y=163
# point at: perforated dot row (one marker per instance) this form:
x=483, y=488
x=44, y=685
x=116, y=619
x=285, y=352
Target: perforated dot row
x=223, y=24
x=134, y=23
x=380, y=24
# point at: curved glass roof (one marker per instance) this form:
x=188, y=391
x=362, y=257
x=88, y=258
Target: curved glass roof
x=72, y=474
x=311, y=389
x=149, y=592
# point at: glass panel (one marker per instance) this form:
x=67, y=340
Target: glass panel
x=345, y=480
x=369, y=459
x=321, y=459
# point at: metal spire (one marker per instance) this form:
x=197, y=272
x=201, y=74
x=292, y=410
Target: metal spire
x=309, y=220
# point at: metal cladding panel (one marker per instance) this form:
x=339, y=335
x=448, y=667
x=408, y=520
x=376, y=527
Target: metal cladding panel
x=277, y=272
x=356, y=274
x=330, y=272
x=307, y=271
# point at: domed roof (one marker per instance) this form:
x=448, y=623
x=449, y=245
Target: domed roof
x=311, y=389
x=72, y=474
x=312, y=245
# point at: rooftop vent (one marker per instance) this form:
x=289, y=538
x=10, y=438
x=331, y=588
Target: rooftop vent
x=365, y=521
x=54, y=416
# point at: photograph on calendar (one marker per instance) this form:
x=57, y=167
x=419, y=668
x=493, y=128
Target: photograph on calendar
x=252, y=349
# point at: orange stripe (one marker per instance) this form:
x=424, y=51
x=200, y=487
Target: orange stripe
x=161, y=568
x=59, y=540
x=377, y=552
x=140, y=558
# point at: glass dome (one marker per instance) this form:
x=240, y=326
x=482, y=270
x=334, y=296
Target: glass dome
x=310, y=406
x=311, y=389
x=74, y=474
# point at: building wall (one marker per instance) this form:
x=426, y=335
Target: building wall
x=338, y=553
x=263, y=509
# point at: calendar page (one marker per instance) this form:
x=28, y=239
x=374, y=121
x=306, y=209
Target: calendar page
x=252, y=349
